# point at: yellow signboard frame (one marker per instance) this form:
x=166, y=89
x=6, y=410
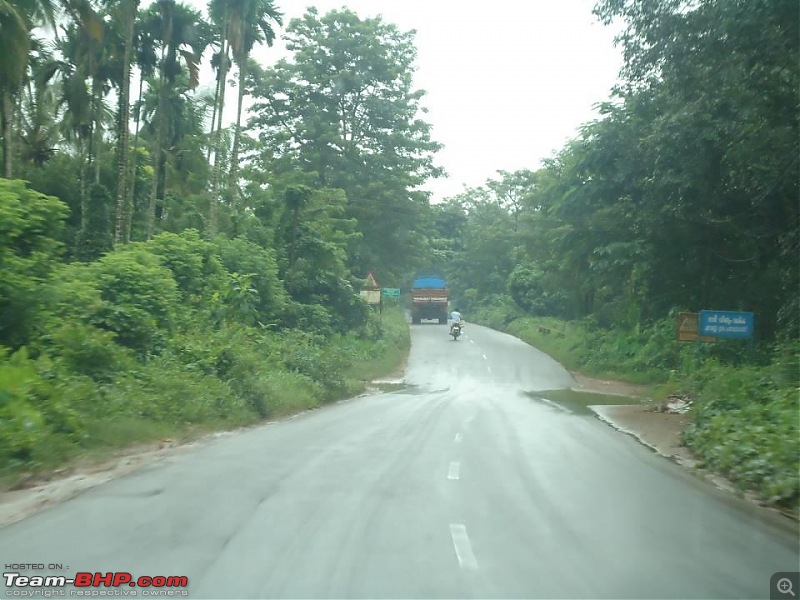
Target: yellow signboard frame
x=688, y=328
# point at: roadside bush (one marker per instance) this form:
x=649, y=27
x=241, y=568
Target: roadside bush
x=311, y=318
x=746, y=427
x=86, y=350
x=139, y=296
x=20, y=423
x=193, y=262
x=31, y=411
x=240, y=256
x=167, y=391
x=126, y=292
x=323, y=362
x=247, y=361
x=30, y=225
x=497, y=311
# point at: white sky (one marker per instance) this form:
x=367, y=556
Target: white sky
x=508, y=81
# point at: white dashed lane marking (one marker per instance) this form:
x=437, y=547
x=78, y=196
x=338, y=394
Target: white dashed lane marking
x=466, y=559
x=453, y=471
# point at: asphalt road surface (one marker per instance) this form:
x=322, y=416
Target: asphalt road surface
x=461, y=485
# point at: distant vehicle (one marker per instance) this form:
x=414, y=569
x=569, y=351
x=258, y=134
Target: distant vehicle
x=429, y=299
x=455, y=331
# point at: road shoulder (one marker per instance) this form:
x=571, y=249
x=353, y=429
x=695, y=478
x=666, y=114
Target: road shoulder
x=658, y=430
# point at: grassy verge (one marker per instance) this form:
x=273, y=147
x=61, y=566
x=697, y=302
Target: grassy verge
x=53, y=418
x=382, y=357
x=606, y=356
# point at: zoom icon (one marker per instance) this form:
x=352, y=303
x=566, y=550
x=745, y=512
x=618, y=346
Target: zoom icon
x=784, y=585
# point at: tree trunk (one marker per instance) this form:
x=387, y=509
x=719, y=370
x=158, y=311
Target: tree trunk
x=8, y=132
x=211, y=137
x=84, y=162
x=151, y=214
x=215, y=175
x=160, y=125
x=123, y=138
x=233, y=188
x=98, y=142
x=134, y=165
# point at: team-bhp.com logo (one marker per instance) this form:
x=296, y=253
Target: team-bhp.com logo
x=94, y=584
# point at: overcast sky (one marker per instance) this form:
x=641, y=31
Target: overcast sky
x=507, y=81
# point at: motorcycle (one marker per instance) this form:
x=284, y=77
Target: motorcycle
x=455, y=331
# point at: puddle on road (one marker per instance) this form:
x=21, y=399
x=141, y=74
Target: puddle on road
x=390, y=386
x=399, y=387
x=578, y=402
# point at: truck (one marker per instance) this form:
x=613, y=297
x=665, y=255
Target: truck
x=429, y=299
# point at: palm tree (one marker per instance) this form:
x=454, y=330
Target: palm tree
x=179, y=30
x=147, y=61
x=17, y=19
x=251, y=24
x=85, y=73
x=38, y=130
x=221, y=15
x=130, y=8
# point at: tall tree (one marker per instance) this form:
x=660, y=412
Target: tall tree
x=84, y=72
x=345, y=109
x=713, y=88
x=179, y=30
x=220, y=13
x=251, y=24
x=38, y=115
x=17, y=20
x=128, y=12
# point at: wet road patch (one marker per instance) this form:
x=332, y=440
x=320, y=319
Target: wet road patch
x=578, y=402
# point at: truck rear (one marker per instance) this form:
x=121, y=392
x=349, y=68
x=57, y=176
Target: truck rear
x=429, y=300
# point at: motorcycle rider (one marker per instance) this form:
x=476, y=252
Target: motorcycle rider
x=455, y=317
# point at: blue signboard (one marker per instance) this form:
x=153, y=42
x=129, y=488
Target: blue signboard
x=726, y=324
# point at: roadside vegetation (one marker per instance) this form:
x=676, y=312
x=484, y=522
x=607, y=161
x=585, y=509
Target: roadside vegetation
x=681, y=197
x=159, y=339
x=746, y=412
x=164, y=275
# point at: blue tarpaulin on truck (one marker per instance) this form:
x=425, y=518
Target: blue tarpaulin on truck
x=429, y=282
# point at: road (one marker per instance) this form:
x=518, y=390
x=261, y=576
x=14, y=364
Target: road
x=460, y=485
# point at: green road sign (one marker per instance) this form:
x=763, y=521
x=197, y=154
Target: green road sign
x=390, y=292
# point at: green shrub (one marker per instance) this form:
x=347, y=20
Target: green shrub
x=747, y=429
x=20, y=423
x=240, y=256
x=126, y=292
x=32, y=412
x=30, y=225
x=86, y=350
x=193, y=262
x=310, y=355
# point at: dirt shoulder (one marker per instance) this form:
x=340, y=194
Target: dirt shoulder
x=49, y=489
x=659, y=430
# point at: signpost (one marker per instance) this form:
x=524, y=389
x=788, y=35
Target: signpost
x=371, y=292
x=689, y=328
x=726, y=324
x=390, y=292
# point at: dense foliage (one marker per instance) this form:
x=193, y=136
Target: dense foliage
x=165, y=332
x=160, y=274
x=682, y=196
